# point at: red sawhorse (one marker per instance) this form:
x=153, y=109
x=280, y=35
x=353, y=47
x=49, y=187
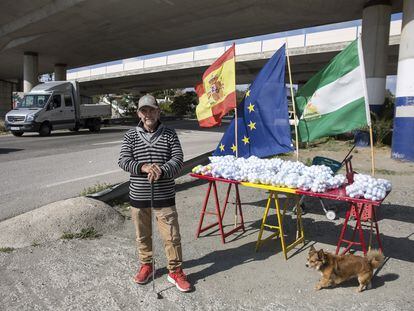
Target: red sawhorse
x=219, y=213
x=359, y=210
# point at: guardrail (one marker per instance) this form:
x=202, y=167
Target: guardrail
x=260, y=46
x=120, y=191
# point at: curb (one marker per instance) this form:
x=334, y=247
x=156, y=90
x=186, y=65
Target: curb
x=121, y=191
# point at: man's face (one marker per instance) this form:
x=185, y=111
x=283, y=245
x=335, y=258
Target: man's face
x=149, y=116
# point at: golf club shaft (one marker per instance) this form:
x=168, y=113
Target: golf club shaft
x=152, y=235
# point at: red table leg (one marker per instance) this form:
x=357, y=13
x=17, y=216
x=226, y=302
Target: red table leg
x=359, y=210
x=219, y=214
x=341, y=236
x=374, y=219
x=238, y=206
x=203, y=211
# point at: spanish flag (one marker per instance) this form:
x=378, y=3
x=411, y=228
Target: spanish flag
x=217, y=92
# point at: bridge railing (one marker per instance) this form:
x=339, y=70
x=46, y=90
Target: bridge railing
x=260, y=46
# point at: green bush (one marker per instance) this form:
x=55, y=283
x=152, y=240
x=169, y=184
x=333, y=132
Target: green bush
x=184, y=104
x=382, y=129
x=382, y=124
x=95, y=188
x=166, y=108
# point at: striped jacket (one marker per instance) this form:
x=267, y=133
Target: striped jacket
x=164, y=149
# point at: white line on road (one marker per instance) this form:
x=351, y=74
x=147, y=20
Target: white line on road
x=81, y=178
x=108, y=143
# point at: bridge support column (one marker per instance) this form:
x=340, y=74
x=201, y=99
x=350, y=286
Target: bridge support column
x=30, y=71
x=376, y=19
x=6, y=89
x=60, y=72
x=402, y=138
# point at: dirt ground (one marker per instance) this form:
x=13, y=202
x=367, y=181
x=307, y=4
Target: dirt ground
x=97, y=274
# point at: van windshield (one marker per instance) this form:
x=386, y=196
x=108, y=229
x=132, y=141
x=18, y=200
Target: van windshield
x=33, y=101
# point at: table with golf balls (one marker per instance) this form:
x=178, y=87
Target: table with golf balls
x=292, y=180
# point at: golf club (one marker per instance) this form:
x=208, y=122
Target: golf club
x=159, y=296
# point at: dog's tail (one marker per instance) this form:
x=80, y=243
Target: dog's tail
x=375, y=258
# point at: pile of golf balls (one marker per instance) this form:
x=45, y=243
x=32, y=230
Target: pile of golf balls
x=368, y=187
x=275, y=171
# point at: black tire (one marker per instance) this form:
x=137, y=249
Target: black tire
x=17, y=133
x=75, y=129
x=95, y=126
x=45, y=129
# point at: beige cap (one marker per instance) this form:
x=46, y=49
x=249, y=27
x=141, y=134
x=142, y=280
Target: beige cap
x=147, y=100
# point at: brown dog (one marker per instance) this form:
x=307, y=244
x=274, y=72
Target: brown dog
x=337, y=269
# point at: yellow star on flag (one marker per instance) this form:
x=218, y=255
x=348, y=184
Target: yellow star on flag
x=246, y=140
x=250, y=107
x=247, y=93
x=252, y=125
x=221, y=147
x=234, y=148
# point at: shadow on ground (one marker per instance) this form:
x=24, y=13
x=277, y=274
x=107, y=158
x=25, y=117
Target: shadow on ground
x=9, y=150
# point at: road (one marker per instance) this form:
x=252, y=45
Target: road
x=39, y=170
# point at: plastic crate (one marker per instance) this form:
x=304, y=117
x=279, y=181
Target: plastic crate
x=335, y=166
x=366, y=214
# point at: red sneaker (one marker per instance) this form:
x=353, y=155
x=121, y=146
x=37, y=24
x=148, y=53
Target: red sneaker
x=144, y=274
x=179, y=279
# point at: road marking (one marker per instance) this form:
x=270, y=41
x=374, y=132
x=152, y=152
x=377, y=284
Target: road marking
x=81, y=178
x=108, y=143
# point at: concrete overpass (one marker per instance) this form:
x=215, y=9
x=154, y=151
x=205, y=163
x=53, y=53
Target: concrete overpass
x=309, y=53
x=84, y=32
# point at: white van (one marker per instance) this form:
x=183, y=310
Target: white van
x=55, y=105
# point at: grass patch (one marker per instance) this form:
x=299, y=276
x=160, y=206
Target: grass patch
x=385, y=171
x=35, y=244
x=121, y=206
x=88, y=233
x=6, y=249
x=124, y=209
x=308, y=162
x=95, y=188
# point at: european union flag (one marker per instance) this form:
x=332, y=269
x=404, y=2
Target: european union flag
x=263, y=119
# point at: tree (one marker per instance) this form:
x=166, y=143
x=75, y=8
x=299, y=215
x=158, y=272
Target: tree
x=184, y=104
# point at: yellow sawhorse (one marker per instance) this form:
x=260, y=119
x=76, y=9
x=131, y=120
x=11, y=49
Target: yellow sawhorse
x=274, y=196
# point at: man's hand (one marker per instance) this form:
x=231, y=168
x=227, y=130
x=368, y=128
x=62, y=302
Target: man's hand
x=153, y=171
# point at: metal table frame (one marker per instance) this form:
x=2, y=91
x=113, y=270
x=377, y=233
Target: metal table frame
x=359, y=206
x=219, y=213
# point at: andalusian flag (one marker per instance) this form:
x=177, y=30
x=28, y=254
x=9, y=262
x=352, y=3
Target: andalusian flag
x=334, y=101
x=217, y=92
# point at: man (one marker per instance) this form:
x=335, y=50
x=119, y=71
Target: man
x=152, y=153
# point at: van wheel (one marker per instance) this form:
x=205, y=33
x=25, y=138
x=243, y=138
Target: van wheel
x=74, y=129
x=95, y=126
x=45, y=129
x=17, y=133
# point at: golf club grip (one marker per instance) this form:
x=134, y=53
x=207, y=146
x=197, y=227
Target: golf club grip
x=152, y=195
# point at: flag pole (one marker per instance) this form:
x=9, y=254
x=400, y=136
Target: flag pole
x=237, y=155
x=235, y=112
x=293, y=102
x=235, y=137
x=367, y=110
x=371, y=139
x=235, y=132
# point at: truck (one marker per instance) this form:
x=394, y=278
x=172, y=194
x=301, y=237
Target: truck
x=56, y=105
